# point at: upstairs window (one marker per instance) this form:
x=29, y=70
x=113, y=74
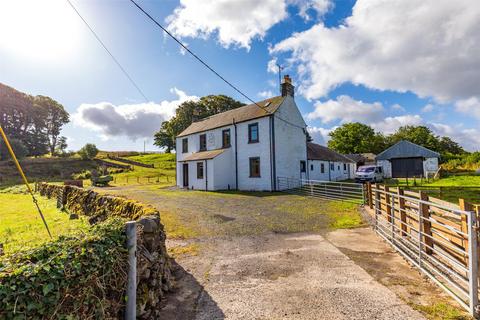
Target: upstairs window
x=199, y=170
x=185, y=145
x=344, y=167
x=203, y=142
x=226, y=138
x=322, y=168
x=311, y=167
x=255, y=167
x=303, y=166
x=332, y=167
x=253, y=133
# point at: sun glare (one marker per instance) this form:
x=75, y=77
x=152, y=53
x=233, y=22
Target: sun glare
x=39, y=29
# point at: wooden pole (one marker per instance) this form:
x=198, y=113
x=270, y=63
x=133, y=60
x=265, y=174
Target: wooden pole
x=465, y=206
x=426, y=224
x=388, y=204
x=403, y=214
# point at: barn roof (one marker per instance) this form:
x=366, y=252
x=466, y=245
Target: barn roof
x=318, y=152
x=359, y=157
x=245, y=113
x=406, y=149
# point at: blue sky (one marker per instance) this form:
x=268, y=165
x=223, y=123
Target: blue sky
x=384, y=65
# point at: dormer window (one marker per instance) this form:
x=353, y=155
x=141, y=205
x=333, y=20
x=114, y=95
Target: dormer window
x=203, y=142
x=253, y=133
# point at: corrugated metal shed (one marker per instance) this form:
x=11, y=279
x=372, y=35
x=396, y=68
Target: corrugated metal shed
x=318, y=152
x=406, y=149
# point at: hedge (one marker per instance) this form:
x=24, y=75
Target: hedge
x=74, y=277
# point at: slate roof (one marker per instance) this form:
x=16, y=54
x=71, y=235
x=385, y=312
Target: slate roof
x=245, y=113
x=406, y=149
x=203, y=155
x=361, y=157
x=318, y=152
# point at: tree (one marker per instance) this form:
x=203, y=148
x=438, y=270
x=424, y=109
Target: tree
x=190, y=111
x=447, y=145
x=88, y=152
x=61, y=145
x=420, y=135
x=55, y=117
x=356, y=138
x=18, y=148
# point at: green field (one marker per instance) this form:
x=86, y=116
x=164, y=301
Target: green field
x=21, y=226
x=163, y=172
x=450, y=188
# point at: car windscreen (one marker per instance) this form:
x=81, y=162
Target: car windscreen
x=366, y=169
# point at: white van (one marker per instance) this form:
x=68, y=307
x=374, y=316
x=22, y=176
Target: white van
x=370, y=173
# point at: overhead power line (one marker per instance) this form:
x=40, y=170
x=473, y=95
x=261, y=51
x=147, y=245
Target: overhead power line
x=109, y=52
x=206, y=64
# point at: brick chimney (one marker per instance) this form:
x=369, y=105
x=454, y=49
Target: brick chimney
x=287, y=88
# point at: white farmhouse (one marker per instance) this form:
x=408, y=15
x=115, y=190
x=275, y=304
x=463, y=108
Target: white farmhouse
x=246, y=148
x=324, y=164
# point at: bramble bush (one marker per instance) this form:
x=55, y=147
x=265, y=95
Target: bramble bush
x=74, y=277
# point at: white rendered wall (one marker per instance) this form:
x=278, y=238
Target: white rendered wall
x=260, y=149
x=430, y=166
x=223, y=172
x=387, y=168
x=290, y=140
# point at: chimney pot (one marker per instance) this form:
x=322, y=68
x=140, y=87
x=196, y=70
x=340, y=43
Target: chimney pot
x=287, y=88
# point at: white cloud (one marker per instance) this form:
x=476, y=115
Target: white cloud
x=320, y=135
x=428, y=108
x=430, y=48
x=319, y=6
x=235, y=22
x=391, y=124
x=346, y=109
x=397, y=107
x=272, y=66
x=469, y=138
x=266, y=94
x=130, y=120
x=469, y=106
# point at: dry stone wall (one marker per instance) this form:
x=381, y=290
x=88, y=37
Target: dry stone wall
x=153, y=264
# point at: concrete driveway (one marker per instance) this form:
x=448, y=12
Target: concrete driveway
x=271, y=256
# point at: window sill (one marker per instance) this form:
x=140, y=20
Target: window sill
x=256, y=141
x=254, y=176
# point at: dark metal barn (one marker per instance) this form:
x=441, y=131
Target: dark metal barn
x=406, y=159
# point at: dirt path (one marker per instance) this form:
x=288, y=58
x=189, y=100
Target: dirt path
x=241, y=265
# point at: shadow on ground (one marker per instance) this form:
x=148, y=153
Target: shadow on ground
x=188, y=299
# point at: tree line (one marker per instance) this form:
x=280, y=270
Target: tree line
x=357, y=137
x=187, y=113
x=32, y=123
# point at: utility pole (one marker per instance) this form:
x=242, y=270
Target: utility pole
x=144, y=142
x=280, y=68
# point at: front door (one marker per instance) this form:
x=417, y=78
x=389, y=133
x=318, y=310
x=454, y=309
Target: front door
x=185, y=174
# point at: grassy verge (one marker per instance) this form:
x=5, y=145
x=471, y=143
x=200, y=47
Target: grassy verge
x=21, y=227
x=441, y=311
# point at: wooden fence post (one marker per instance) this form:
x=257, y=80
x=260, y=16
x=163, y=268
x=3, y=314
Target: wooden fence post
x=388, y=204
x=369, y=195
x=426, y=224
x=378, y=204
x=403, y=214
x=465, y=206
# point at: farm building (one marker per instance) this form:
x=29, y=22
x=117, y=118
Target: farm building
x=327, y=165
x=361, y=159
x=247, y=148
x=406, y=159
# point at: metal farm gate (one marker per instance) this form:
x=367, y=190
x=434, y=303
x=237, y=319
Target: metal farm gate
x=343, y=191
x=437, y=237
